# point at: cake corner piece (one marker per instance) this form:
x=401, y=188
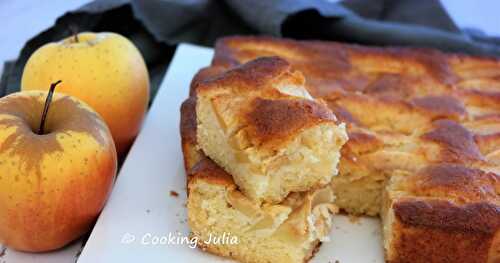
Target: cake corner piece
x=446, y=206
x=261, y=125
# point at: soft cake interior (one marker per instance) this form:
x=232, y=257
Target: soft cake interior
x=274, y=141
x=285, y=232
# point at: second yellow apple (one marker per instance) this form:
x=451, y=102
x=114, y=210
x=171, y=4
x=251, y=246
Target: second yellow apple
x=105, y=70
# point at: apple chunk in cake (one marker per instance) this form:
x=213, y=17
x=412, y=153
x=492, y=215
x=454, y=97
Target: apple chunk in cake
x=261, y=125
x=288, y=232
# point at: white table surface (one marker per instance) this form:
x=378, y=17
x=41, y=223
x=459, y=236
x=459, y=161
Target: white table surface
x=23, y=19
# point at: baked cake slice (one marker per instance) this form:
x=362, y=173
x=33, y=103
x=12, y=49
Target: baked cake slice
x=287, y=232
x=261, y=125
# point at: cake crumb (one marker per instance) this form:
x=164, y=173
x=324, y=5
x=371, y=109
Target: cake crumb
x=2, y=250
x=148, y=211
x=354, y=219
x=174, y=194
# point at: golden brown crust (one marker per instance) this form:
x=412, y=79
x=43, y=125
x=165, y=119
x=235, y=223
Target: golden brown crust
x=210, y=172
x=440, y=231
x=202, y=75
x=330, y=65
x=439, y=110
x=188, y=133
x=269, y=115
x=474, y=218
x=441, y=107
x=456, y=182
x=254, y=75
x=457, y=142
x=344, y=115
x=274, y=120
x=468, y=197
x=449, y=212
x=188, y=121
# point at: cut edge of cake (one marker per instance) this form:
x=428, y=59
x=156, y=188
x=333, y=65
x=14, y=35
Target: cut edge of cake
x=445, y=206
x=261, y=125
x=291, y=231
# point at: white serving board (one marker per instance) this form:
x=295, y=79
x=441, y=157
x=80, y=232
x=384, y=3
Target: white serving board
x=464, y=13
x=141, y=202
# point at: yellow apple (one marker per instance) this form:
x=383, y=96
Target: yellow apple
x=105, y=70
x=53, y=183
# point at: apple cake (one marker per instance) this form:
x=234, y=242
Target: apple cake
x=261, y=125
x=424, y=140
x=290, y=231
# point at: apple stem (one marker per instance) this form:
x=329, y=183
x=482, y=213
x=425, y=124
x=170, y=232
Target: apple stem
x=48, y=100
x=74, y=31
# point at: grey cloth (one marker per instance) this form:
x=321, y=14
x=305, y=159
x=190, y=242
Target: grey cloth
x=157, y=26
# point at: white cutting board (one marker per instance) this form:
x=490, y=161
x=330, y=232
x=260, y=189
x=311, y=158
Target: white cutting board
x=141, y=206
